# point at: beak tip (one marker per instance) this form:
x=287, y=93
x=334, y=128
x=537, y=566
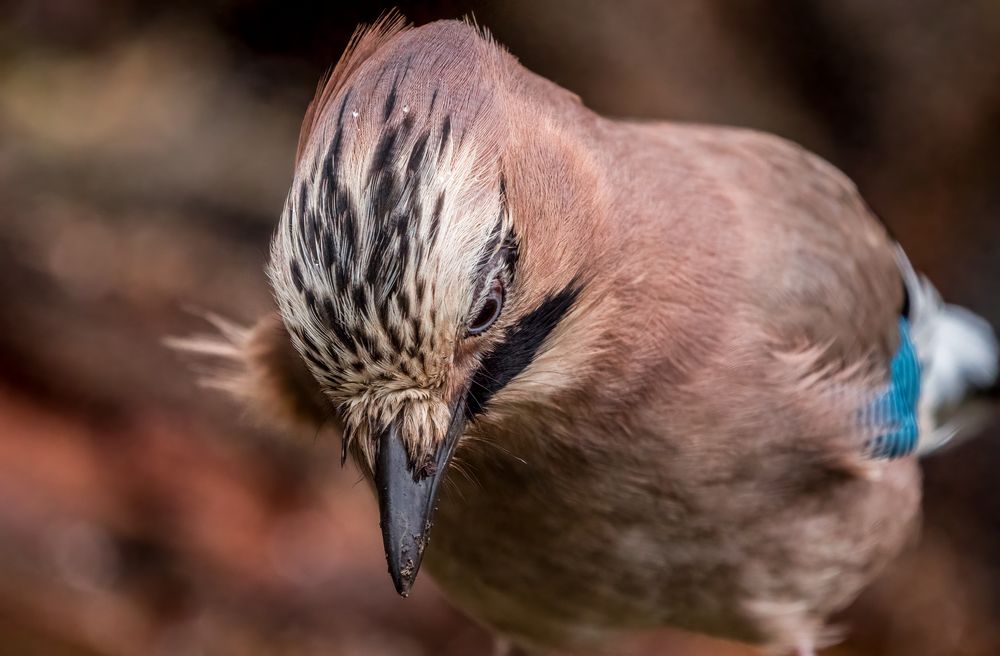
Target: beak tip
x=402, y=588
x=403, y=577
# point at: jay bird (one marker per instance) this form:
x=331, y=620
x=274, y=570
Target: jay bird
x=685, y=371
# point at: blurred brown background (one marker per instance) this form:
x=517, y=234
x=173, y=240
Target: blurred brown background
x=145, y=150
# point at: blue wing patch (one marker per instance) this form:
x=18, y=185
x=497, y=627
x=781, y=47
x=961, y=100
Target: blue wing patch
x=894, y=411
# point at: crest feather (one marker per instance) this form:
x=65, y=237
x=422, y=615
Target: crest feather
x=365, y=41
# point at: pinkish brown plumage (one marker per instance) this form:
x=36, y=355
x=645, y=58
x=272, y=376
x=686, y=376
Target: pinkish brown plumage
x=668, y=423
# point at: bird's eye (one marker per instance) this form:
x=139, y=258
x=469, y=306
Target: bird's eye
x=490, y=310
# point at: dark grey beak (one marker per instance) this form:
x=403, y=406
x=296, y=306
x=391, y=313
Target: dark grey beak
x=407, y=497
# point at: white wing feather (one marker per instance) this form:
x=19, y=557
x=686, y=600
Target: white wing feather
x=959, y=355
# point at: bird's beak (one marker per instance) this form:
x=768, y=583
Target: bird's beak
x=407, y=496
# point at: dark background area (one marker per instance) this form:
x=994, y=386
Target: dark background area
x=145, y=152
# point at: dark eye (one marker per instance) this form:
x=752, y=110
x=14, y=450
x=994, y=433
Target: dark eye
x=490, y=310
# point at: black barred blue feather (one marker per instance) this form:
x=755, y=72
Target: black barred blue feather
x=894, y=411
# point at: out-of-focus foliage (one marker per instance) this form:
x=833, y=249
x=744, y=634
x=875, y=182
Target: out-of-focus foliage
x=145, y=151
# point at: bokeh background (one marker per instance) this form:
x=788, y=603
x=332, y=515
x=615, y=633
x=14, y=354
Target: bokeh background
x=145, y=149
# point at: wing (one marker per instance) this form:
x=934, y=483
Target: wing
x=836, y=280
x=892, y=415
x=824, y=287
x=957, y=354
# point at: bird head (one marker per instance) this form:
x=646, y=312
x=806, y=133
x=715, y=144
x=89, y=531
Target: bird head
x=407, y=279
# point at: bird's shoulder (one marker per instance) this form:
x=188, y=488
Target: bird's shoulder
x=784, y=233
x=794, y=282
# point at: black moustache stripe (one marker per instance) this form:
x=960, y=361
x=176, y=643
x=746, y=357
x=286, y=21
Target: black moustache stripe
x=521, y=344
